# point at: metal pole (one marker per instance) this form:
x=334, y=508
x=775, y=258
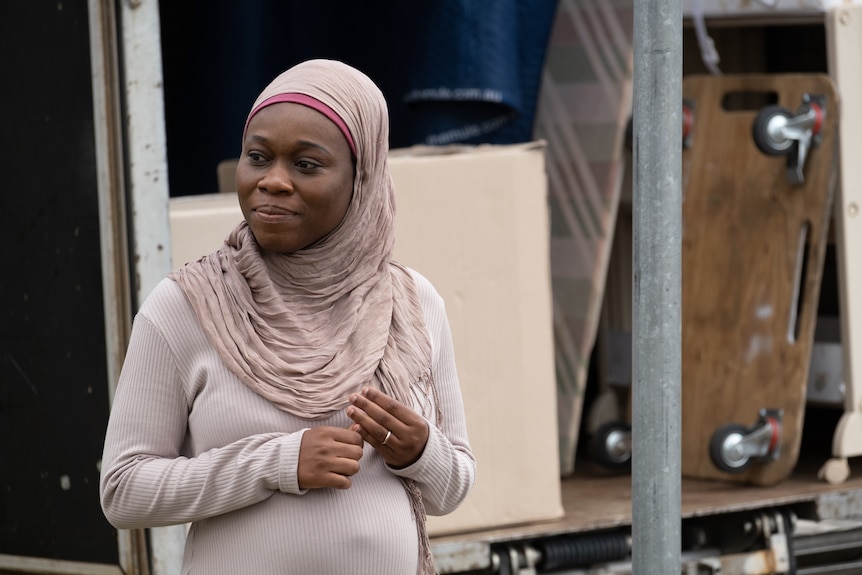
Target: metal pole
x=656, y=290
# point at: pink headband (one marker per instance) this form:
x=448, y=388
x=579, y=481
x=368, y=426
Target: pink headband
x=312, y=103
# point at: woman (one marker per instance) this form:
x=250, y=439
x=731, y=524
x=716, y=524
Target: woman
x=293, y=395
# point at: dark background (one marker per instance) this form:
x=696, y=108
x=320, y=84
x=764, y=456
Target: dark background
x=219, y=55
x=53, y=371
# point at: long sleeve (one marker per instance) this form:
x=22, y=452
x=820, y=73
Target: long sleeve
x=447, y=468
x=146, y=479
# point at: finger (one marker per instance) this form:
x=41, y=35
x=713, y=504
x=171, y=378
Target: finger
x=391, y=411
x=385, y=438
x=370, y=430
x=386, y=416
x=350, y=452
x=362, y=433
x=337, y=481
x=386, y=403
x=345, y=466
x=333, y=442
x=326, y=462
x=388, y=437
x=347, y=436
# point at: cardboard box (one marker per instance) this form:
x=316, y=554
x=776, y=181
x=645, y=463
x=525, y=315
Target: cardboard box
x=200, y=224
x=474, y=221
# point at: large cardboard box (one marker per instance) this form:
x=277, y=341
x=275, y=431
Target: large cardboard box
x=200, y=224
x=474, y=221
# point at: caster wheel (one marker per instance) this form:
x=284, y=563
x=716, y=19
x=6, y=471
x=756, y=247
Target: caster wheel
x=725, y=449
x=835, y=471
x=611, y=446
x=765, y=128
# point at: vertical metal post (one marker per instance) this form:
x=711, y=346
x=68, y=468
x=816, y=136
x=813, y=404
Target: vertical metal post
x=148, y=194
x=656, y=290
x=146, y=145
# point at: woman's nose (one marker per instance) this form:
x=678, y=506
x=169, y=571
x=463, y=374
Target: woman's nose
x=276, y=180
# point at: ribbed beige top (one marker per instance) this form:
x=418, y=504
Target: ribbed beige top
x=188, y=442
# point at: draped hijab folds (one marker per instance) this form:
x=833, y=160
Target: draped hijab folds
x=306, y=329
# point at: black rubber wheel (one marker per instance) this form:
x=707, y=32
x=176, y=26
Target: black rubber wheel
x=722, y=440
x=611, y=446
x=760, y=131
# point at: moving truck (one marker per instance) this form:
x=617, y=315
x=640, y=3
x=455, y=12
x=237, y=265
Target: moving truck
x=92, y=227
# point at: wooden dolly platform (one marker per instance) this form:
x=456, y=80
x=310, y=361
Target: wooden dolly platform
x=758, y=183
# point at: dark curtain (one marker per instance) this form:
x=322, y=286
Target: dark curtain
x=453, y=71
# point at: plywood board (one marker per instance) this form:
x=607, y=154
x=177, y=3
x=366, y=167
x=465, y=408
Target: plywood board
x=752, y=257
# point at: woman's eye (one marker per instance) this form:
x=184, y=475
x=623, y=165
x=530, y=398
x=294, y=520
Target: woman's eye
x=306, y=165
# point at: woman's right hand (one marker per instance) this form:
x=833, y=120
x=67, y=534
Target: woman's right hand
x=328, y=457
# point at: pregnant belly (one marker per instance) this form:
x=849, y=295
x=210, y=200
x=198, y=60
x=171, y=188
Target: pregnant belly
x=368, y=528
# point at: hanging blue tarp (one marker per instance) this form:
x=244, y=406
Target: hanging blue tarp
x=476, y=71
x=452, y=71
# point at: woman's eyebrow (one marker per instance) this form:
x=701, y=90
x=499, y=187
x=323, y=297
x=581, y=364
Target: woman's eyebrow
x=305, y=143
x=310, y=144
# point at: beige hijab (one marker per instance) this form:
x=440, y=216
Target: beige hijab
x=305, y=330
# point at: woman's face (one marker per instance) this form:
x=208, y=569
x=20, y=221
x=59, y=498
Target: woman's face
x=294, y=177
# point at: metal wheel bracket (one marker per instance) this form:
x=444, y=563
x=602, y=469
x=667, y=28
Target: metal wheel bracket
x=762, y=442
x=798, y=133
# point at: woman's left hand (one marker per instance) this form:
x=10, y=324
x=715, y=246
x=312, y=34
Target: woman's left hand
x=397, y=432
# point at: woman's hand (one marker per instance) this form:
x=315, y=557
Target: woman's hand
x=398, y=433
x=328, y=457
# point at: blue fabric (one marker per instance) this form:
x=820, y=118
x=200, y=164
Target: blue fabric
x=452, y=71
x=476, y=74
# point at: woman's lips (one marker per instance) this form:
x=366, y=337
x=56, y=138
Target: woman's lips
x=273, y=214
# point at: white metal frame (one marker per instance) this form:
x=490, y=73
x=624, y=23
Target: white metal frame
x=844, y=46
x=148, y=192
x=146, y=144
